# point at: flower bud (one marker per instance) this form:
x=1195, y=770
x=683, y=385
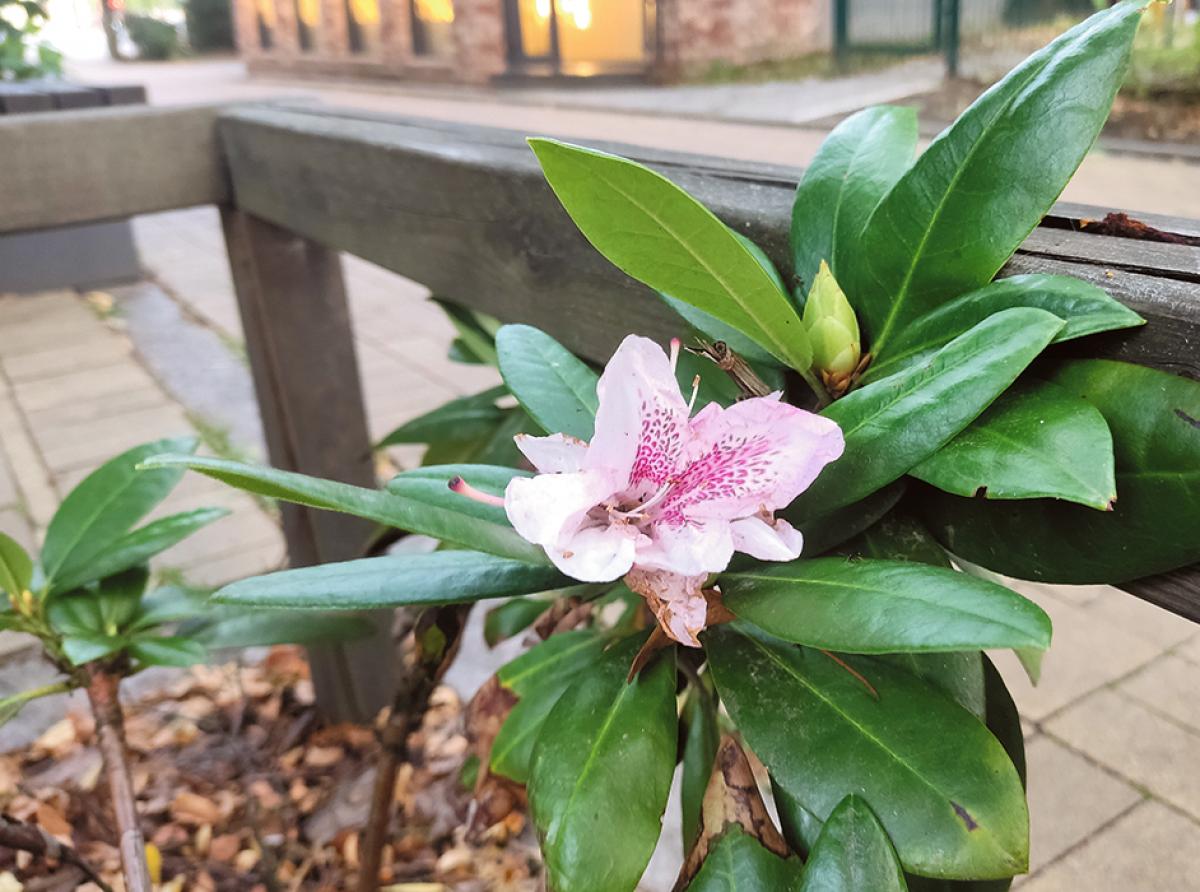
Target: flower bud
x=833, y=331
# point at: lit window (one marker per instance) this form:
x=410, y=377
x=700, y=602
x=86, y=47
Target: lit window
x=433, y=27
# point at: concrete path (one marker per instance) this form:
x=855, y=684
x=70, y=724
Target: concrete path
x=1113, y=730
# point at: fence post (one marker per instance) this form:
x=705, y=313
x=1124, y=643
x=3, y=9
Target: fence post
x=951, y=34
x=297, y=325
x=841, y=32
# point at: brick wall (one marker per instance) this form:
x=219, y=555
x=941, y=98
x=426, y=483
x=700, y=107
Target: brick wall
x=693, y=35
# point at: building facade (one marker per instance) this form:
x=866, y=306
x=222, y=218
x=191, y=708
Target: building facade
x=478, y=41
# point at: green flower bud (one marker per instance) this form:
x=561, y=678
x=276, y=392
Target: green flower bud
x=832, y=327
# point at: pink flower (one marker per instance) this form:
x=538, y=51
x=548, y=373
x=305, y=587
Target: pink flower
x=663, y=499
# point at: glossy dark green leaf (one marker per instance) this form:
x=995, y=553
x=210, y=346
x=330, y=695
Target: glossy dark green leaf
x=699, y=753
x=944, y=789
x=170, y=604
x=826, y=531
x=476, y=339
x=251, y=628
x=402, y=580
x=80, y=649
x=556, y=389
x=740, y=863
x=1036, y=441
x=110, y=500
x=168, y=651
x=879, y=606
x=1155, y=422
x=418, y=501
x=972, y=197
x=898, y=422
x=898, y=537
x=77, y=614
x=857, y=164
x=658, y=234
x=463, y=419
x=511, y=618
x=16, y=567
x=138, y=546
x=119, y=597
x=601, y=773
x=853, y=853
x=1085, y=308
x=538, y=678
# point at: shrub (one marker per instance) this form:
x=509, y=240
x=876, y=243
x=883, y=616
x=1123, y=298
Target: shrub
x=209, y=25
x=22, y=55
x=153, y=38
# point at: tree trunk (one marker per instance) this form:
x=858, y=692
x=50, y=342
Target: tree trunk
x=108, y=23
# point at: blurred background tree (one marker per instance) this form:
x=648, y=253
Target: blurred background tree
x=22, y=54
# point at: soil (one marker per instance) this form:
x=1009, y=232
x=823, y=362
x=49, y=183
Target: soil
x=241, y=790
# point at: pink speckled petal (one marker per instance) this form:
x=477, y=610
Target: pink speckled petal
x=776, y=541
x=557, y=453
x=677, y=601
x=689, y=548
x=550, y=508
x=756, y=455
x=641, y=424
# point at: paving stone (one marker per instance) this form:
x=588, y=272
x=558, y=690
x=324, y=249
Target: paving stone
x=49, y=393
x=65, y=359
x=14, y=523
x=82, y=410
x=32, y=476
x=213, y=572
x=15, y=643
x=247, y=527
x=1087, y=652
x=1169, y=686
x=1156, y=625
x=9, y=494
x=1190, y=650
x=1152, y=847
x=1122, y=734
x=89, y=444
x=1069, y=799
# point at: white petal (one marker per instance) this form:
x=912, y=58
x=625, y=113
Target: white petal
x=779, y=541
x=557, y=453
x=677, y=601
x=688, y=549
x=548, y=508
x=597, y=554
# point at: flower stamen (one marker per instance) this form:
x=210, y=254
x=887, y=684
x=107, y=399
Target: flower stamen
x=695, y=393
x=675, y=346
x=460, y=486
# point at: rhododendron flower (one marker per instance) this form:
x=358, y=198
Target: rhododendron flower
x=665, y=499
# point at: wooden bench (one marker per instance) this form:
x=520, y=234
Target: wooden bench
x=464, y=211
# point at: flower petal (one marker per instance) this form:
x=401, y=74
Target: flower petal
x=689, y=548
x=598, y=553
x=677, y=600
x=642, y=421
x=554, y=454
x=756, y=455
x=767, y=541
x=550, y=508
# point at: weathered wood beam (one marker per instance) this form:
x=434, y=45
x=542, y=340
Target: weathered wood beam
x=111, y=163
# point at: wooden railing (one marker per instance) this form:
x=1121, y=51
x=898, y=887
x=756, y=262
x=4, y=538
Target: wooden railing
x=464, y=211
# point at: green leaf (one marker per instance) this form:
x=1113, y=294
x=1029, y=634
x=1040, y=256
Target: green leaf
x=417, y=501
x=968, y=202
x=877, y=606
x=601, y=773
x=853, y=853
x=11, y=706
x=894, y=424
x=740, y=863
x=1155, y=422
x=109, y=501
x=16, y=568
x=829, y=530
x=658, y=234
x=138, y=546
x=699, y=754
x=402, y=580
x=260, y=628
x=169, y=604
x=944, y=789
x=539, y=677
x=511, y=618
x=857, y=164
x=472, y=333
x=460, y=420
x=556, y=389
x=898, y=537
x=1085, y=308
x=119, y=597
x=168, y=651
x=1036, y=441
x=80, y=649
x=76, y=614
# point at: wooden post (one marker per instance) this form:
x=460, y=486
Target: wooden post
x=298, y=337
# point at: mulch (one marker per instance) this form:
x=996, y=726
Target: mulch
x=240, y=788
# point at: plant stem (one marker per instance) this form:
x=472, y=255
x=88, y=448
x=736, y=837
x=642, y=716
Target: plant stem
x=28, y=838
x=436, y=637
x=110, y=732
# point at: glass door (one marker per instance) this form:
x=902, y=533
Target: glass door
x=579, y=37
